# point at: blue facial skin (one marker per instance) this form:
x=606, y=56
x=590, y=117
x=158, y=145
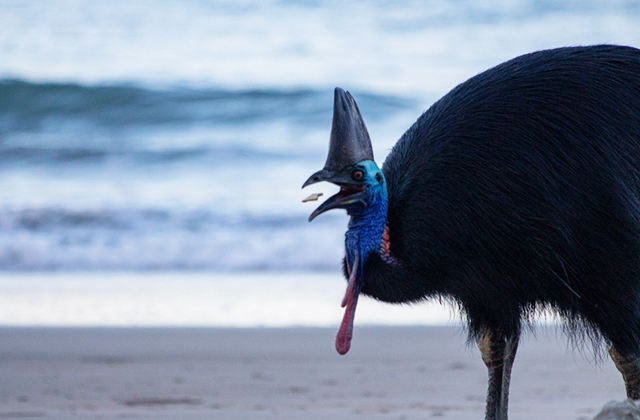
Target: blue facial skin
x=368, y=218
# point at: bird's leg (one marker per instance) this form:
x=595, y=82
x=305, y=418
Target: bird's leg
x=498, y=353
x=630, y=369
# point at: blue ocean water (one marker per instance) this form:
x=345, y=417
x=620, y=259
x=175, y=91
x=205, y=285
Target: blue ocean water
x=176, y=135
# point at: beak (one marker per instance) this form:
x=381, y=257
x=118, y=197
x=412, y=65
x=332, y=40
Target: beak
x=350, y=191
x=349, y=144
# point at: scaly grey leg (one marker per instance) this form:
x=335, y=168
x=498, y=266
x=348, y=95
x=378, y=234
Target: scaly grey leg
x=630, y=369
x=498, y=353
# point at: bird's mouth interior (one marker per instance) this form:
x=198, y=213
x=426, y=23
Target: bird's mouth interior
x=349, y=190
x=348, y=194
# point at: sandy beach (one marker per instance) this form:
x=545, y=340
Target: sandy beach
x=286, y=373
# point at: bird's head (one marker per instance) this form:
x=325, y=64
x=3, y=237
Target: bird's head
x=362, y=185
x=350, y=163
x=363, y=193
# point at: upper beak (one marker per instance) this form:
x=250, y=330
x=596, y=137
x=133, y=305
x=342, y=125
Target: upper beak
x=321, y=175
x=335, y=177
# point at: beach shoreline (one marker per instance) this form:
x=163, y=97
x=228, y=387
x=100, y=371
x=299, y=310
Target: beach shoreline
x=195, y=299
x=289, y=373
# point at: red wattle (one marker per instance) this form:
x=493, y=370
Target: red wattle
x=345, y=333
x=350, y=300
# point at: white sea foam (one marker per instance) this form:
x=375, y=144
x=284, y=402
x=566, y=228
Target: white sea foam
x=195, y=299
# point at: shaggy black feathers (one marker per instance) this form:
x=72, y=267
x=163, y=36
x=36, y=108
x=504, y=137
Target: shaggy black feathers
x=521, y=189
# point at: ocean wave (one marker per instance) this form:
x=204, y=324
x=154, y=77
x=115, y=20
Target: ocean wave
x=40, y=219
x=211, y=153
x=26, y=106
x=130, y=178
x=157, y=238
x=52, y=123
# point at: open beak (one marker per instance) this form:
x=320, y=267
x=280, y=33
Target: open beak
x=349, y=144
x=349, y=193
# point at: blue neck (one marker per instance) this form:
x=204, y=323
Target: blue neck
x=366, y=226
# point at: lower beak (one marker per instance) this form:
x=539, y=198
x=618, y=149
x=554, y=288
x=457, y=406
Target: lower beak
x=337, y=201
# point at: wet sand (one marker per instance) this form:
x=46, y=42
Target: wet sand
x=286, y=373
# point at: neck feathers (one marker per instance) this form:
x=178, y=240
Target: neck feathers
x=369, y=232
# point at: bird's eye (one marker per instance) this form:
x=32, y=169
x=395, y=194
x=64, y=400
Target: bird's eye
x=357, y=175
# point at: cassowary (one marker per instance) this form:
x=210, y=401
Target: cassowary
x=519, y=190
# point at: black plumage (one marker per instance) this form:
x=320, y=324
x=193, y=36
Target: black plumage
x=521, y=187
x=520, y=190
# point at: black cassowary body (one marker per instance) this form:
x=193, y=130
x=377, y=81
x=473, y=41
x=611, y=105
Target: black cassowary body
x=518, y=190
